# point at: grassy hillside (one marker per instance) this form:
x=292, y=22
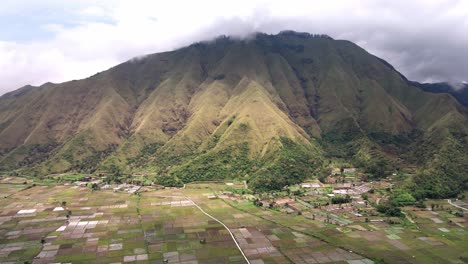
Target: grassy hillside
x=272, y=110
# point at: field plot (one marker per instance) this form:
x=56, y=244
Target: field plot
x=9, y=189
x=265, y=241
x=11, y=185
x=66, y=224
x=71, y=224
x=435, y=237
x=175, y=230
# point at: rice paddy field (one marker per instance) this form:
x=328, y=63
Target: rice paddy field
x=71, y=224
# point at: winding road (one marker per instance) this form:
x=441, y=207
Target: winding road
x=450, y=202
x=217, y=220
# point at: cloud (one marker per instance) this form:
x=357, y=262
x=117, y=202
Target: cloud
x=51, y=41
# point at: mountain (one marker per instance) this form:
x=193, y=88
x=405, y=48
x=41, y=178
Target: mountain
x=461, y=93
x=272, y=109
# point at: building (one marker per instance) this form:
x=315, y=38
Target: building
x=343, y=191
x=308, y=185
x=342, y=186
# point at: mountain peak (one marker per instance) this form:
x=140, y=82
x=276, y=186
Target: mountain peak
x=227, y=108
x=302, y=34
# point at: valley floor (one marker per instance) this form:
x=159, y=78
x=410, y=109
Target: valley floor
x=45, y=224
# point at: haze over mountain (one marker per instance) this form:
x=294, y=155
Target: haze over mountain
x=56, y=41
x=459, y=91
x=272, y=109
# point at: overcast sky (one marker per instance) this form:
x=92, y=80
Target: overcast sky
x=58, y=40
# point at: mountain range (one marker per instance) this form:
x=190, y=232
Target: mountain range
x=460, y=91
x=272, y=109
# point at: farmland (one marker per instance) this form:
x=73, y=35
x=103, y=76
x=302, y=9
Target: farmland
x=71, y=223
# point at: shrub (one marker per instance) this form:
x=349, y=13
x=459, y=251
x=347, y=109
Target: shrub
x=402, y=198
x=389, y=210
x=341, y=199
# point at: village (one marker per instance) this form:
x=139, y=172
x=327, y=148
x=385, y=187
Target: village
x=344, y=198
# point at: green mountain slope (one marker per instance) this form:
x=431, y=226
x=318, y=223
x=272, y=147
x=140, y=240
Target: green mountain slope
x=272, y=109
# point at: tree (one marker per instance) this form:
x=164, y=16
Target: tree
x=115, y=170
x=402, y=198
x=365, y=196
x=378, y=168
x=389, y=209
x=420, y=204
x=94, y=186
x=341, y=199
x=257, y=202
x=441, y=181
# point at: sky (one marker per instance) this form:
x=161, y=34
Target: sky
x=61, y=40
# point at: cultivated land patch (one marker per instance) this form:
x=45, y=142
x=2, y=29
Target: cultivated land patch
x=7, y=189
x=47, y=224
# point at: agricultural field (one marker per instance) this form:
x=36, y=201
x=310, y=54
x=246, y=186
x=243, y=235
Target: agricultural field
x=11, y=185
x=73, y=224
x=426, y=241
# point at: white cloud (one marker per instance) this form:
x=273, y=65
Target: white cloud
x=93, y=11
x=425, y=40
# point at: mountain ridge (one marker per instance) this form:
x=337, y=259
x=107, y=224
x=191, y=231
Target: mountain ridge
x=267, y=100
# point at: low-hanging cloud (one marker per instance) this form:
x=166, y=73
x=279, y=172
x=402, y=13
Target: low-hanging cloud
x=425, y=40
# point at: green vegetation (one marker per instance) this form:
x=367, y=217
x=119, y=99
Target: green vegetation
x=27, y=155
x=169, y=181
x=144, y=156
x=293, y=164
x=341, y=199
x=445, y=174
x=70, y=177
x=371, y=158
x=389, y=209
x=402, y=198
x=229, y=163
